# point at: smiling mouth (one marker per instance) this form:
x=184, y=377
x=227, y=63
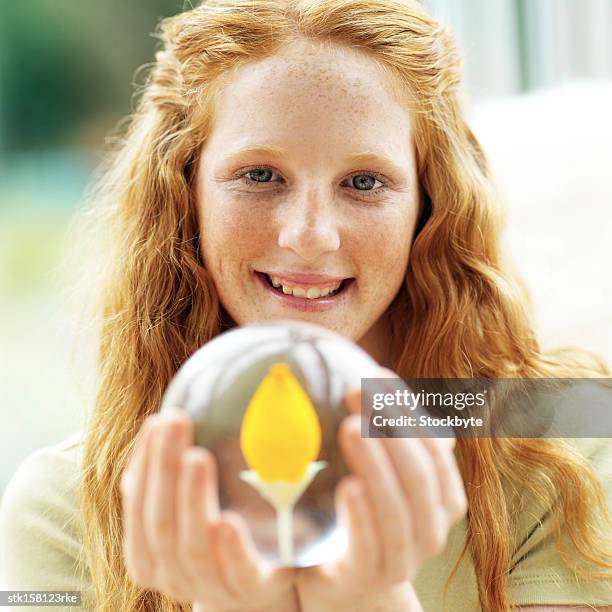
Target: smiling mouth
x=288, y=290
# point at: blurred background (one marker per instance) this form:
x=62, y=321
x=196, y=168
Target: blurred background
x=538, y=77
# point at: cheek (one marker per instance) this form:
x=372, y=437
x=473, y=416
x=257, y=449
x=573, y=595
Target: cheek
x=231, y=233
x=384, y=251
x=386, y=241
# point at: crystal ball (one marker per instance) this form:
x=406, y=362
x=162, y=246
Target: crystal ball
x=267, y=400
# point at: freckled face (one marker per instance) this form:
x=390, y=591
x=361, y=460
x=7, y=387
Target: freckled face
x=308, y=204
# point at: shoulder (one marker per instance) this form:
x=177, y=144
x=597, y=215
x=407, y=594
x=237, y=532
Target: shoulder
x=47, y=480
x=40, y=531
x=539, y=574
x=598, y=452
x=63, y=456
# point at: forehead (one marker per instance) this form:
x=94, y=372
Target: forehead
x=308, y=90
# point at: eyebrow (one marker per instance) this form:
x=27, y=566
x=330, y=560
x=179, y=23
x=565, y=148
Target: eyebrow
x=363, y=157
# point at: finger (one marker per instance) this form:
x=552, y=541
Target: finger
x=352, y=399
x=171, y=435
x=243, y=569
x=392, y=516
x=387, y=373
x=447, y=443
x=364, y=554
x=452, y=490
x=352, y=396
x=417, y=474
x=138, y=557
x=198, y=511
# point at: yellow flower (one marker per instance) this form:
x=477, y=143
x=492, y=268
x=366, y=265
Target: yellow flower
x=280, y=433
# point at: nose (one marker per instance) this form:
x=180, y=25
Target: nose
x=309, y=226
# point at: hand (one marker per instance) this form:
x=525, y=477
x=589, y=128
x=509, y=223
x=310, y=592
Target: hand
x=176, y=540
x=398, y=506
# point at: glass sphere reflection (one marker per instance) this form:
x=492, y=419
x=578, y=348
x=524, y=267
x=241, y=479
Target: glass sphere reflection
x=289, y=378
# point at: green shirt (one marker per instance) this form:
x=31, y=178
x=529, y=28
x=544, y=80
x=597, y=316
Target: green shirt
x=40, y=541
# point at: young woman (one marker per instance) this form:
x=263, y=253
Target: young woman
x=304, y=144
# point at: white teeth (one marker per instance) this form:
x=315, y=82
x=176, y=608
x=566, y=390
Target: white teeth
x=311, y=293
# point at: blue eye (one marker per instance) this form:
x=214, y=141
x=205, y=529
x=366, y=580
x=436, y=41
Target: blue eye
x=258, y=174
x=363, y=182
